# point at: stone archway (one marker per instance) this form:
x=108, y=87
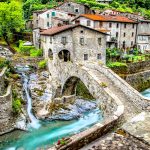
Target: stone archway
x=74, y=85
x=64, y=55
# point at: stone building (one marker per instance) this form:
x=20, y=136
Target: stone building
x=36, y=18
x=53, y=17
x=75, y=8
x=122, y=30
x=143, y=35
x=74, y=43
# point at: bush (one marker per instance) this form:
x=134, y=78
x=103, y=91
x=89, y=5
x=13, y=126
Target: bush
x=16, y=105
x=42, y=64
x=3, y=62
x=116, y=64
x=35, y=53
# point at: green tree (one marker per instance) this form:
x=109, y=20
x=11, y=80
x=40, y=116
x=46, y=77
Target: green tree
x=11, y=20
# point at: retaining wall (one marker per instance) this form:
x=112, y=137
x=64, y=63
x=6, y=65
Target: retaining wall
x=6, y=111
x=2, y=84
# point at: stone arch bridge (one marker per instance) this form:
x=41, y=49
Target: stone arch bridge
x=96, y=77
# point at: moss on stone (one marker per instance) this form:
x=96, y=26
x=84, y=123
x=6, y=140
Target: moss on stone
x=81, y=90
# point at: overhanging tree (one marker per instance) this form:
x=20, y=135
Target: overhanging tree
x=11, y=20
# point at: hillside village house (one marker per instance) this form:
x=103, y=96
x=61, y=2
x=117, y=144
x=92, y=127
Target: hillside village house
x=143, y=35
x=36, y=18
x=75, y=8
x=74, y=43
x=52, y=17
x=122, y=30
x=49, y=19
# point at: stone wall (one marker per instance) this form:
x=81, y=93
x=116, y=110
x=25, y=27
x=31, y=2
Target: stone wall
x=133, y=67
x=132, y=94
x=31, y=61
x=2, y=84
x=6, y=111
x=140, y=81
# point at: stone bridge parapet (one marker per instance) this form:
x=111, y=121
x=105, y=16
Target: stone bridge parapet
x=131, y=94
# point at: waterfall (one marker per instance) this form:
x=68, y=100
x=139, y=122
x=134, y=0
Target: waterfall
x=25, y=79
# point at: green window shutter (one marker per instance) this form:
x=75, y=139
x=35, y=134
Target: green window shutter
x=53, y=14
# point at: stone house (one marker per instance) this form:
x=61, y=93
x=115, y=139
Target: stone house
x=53, y=17
x=75, y=8
x=48, y=19
x=122, y=30
x=74, y=43
x=143, y=42
x=143, y=35
x=36, y=18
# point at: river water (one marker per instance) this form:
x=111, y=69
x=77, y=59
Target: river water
x=44, y=134
x=146, y=93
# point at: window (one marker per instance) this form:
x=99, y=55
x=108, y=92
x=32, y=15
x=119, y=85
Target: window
x=53, y=14
x=124, y=35
x=110, y=25
x=124, y=44
x=81, y=31
x=47, y=24
x=51, y=40
x=132, y=34
x=116, y=34
x=133, y=26
x=69, y=4
x=99, y=41
x=85, y=56
x=88, y=23
x=76, y=10
x=63, y=40
x=82, y=41
x=98, y=56
x=37, y=22
x=131, y=43
x=47, y=15
x=117, y=25
x=125, y=25
x=101, y=24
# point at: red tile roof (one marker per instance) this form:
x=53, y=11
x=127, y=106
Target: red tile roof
x=107, y=18
x=56, y=30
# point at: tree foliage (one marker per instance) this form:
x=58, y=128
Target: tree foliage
x=11, y=19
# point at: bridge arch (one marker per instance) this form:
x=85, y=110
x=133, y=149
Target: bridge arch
x=64, y=55
x=74, y=85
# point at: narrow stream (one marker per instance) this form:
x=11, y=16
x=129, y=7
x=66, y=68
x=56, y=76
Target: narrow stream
x=44, y=134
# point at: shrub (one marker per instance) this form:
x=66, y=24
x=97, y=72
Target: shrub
x=42, y=64
x=35, y=53
x=104, y=85
x=16, y=105
x=116, y=64
x=3, y=62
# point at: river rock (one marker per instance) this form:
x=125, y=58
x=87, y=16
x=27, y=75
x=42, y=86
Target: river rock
x=73, y=111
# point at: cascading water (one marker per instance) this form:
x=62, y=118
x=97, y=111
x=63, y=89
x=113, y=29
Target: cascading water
x=34, y=123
